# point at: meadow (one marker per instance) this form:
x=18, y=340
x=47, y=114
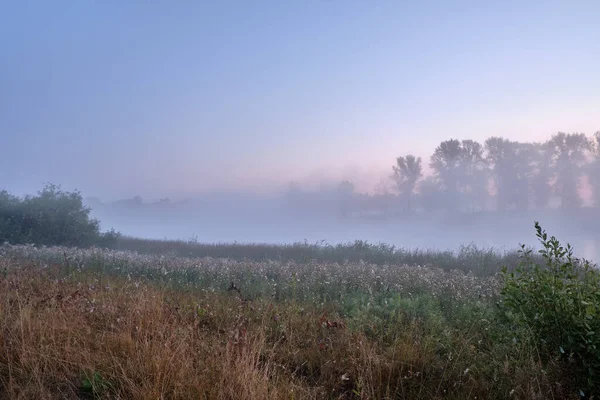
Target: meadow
x=268, y=322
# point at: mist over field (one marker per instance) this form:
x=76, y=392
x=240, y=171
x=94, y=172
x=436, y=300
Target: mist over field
x=228, y=218
x=417, y=126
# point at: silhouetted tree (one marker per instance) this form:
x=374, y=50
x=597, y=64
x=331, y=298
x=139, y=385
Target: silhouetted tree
x=511, y=165
x=500, y=157
x=568, y=157
x=446, y=164
x=460, y=170
x=474, y=179
x=593, y=170
x=407, y=172
x=540, y=181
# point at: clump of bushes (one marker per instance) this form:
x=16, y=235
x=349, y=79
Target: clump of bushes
x=53, y=217
x=559, y=304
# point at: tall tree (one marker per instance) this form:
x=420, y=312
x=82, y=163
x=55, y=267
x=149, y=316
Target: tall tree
x=511, y=165
x=474, y=175
x=593, y=170
x=407, y=172
x=446, y=163
x=460, y=170
x=540, y=181
x=568, y=158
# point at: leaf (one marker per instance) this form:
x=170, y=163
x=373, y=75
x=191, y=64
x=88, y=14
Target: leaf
x=590, y=312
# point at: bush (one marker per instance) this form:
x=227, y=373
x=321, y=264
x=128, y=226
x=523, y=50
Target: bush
x=108, y=239
x=53, y=217
x=559, y=304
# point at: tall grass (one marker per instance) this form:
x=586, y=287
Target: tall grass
x=312, y=281
x=120, y=324
x=468, y=258
x=71, y=331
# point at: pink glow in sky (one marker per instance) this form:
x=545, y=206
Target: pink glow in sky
x=149, y=98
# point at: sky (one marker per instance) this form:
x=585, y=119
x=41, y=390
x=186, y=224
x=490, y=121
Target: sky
x=162, y=98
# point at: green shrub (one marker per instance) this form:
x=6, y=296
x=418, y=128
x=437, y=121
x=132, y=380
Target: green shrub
x=53, y=217
x=559, y=303
x=108, y=239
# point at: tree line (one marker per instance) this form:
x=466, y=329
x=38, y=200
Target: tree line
x=500, y=174
x=517, y=175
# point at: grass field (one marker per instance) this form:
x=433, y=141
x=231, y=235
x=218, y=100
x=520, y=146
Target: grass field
x=92, y=323
x=468, y=258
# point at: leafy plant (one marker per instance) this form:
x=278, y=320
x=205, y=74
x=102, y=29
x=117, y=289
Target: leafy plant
x=560, y=304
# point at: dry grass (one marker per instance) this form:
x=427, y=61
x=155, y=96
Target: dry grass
x=94, y=336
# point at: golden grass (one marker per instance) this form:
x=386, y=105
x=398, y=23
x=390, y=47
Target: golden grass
x=95, y=337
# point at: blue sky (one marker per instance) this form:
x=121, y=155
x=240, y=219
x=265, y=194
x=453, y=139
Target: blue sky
x=162, y=98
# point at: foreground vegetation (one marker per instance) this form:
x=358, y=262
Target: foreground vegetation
x=86, y=314
x=107, y=323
